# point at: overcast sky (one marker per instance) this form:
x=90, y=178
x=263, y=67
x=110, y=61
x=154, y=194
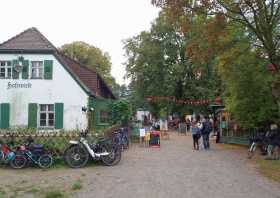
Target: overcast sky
x=102, y=23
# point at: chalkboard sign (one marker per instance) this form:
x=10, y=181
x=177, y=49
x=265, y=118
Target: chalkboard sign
x=155, y=139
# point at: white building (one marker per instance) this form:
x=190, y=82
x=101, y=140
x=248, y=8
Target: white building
x=141, y=114
x=45, y=89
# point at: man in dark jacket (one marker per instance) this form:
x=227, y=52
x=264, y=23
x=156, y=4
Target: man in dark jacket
x=205, y=131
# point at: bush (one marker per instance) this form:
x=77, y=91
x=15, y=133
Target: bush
x=120, y=112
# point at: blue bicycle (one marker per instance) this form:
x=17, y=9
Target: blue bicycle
x=121, y=138
x=32, y=153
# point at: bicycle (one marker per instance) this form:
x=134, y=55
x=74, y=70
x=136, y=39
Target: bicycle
x=31, y=153
x=264, y=140
x=78, y=153
x=120, y=138
x=6, y=153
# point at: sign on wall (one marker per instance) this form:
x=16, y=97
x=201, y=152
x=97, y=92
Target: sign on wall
x=16, y=85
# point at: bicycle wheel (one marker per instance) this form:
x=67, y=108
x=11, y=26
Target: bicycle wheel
x=125, y=143
x=252, y=150
x=76, y=156
x=45, y=161
x=19, y=161
x=114, y=156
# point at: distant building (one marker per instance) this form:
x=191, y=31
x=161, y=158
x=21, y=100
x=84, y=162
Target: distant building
x=141, y=114
x=43, y=88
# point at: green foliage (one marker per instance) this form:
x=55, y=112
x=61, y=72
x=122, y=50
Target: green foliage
x=157, y=65
x=55, y=194
x=33, y=190
x=259, y=20
x=2, y=193
x=77, y=185
x=247, y=83
x=120, y=112
x=92, y=57
x=120, y=91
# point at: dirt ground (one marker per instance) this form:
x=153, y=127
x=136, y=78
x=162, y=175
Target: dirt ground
x=172, y=171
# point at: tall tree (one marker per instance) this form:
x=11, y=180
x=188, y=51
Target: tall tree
x=260, y=18
x=92, y=57
x=157, y=65
x=247, y=94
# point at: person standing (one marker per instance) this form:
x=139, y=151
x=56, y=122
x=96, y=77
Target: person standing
x=195, y=134
x=205, y=131
x=188, y=122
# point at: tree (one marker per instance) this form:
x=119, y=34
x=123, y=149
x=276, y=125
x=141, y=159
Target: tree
x=120, y=91
x=157, y=65
x=260, y=18
x=120, y=112
x=92, y=57
x=247, y=94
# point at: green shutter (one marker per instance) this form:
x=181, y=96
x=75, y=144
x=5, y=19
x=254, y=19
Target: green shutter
x=25, y=69
x=58, y=115
x=4, y=115
x=32, y=115
x=15, y=73
x=48, y=69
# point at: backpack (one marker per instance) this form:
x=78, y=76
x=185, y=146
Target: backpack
x=207, y=128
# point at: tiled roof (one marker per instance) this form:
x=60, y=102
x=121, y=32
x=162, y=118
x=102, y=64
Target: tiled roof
x=33, y=40
x=30, y=39
x=89, y=77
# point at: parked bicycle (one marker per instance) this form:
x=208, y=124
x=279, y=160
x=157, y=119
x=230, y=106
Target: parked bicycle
x=6, y=153
x=120, y=137
x=263, y=140
x=31, y=153
x=78, y=153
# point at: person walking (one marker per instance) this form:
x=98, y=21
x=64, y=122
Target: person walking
x=195, y=134
x=188, y=123
x=205, y=131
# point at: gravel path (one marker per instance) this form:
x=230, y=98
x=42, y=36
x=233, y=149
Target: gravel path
x=172, y=171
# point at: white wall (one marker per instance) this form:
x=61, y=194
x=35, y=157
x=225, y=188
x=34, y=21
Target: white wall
x=140, y=115
x=62, y=88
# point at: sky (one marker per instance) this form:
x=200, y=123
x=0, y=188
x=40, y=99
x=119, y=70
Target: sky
x=102, y=23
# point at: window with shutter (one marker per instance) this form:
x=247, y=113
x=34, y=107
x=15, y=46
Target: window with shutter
x=48, y=69
x=4, y=115
x=37, y=69
x=5, y=69
x=104, y=117
x=59, y=108
x=46, y=116
x=25, y=69
x=32, y=115
x=15, y=72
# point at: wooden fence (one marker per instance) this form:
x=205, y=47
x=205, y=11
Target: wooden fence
x=55, y=142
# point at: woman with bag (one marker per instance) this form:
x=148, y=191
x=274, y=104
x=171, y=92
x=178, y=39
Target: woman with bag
x=195, y=134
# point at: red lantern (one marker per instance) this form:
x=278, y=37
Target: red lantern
x=272, y=67
x=218, y=101
x=149, y=98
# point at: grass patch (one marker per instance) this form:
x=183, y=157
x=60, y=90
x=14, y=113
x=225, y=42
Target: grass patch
x=33, y=190
x=58, y=163
x=14, y=195
x=270, y=169
x=55, y=194
x=2, y=193
x=77, y=185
